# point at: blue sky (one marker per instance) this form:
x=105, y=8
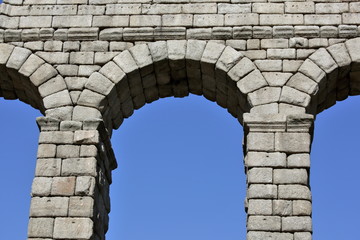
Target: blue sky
x=181, y=172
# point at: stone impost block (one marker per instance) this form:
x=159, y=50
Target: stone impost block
x=262, y=191
x=264, y=223
x=40, y=227
x=296, y=224
x=79, y=167
x=265, y=159
x=292, y=142
x=260, y=207
x=49, y=206
x=73, y=228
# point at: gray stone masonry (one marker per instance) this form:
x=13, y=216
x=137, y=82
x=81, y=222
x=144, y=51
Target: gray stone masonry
x=89, y=64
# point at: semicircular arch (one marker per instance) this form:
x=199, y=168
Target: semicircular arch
x=147, y=72
x=29, y=78
x=328, y=75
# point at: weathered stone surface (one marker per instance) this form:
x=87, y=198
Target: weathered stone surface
x=49, y=206
x=70, y=228
x=264, y=223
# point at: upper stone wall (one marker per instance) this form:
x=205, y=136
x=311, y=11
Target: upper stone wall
x=151, y=20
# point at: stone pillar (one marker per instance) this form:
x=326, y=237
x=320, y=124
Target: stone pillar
x=70, y=191
x=277, y=163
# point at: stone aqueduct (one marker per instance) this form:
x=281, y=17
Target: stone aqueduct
x=88, y=64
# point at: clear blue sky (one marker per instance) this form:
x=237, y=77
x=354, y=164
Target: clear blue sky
x=181, y=172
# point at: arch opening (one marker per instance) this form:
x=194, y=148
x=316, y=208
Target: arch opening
x=169, y=179
x=147, y=72
x=334, y=171
x=18, y=159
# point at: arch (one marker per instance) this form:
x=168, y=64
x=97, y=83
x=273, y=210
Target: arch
x=27, y=77
x=147, y=72
x=328, y=75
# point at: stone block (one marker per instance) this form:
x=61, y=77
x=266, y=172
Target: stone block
x=42, y=74
x=41, y=186
x=294, y=192
x=260, y=175
x=244, y=19
x=302, y=236
x=52, y=86
x=264, y=223
x=73, y=228
x=282, y=207
x=46, y=151
x=290, y=176
x=48, y=167
x=264, y=95
x=294, y=224
x=262, y=191
x=269, y=65
x=260, y=207
x=86, y=137
x=260, y=142
x=268, y=8
x=276, y=79
x=58, y=99
x=79, y=167
x=49, y=206
x=299, y=160
x=85, y=186
x=292, y=142
x=63, y=186
x=251, y=82
x=302, y=208
x=294, y=97
x=259, y=235
x=40, y=227
x=64, y=137
x=265, y=159
x=81, y=207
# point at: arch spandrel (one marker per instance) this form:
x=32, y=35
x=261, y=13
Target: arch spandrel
x=147, y=72
x=328, y=75
x=27, y=77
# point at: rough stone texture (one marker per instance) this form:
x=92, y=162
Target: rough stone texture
x=87, y=65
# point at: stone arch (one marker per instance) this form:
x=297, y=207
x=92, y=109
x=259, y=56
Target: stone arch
x=147, y=72
x=328, y=75
x=27, y=77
